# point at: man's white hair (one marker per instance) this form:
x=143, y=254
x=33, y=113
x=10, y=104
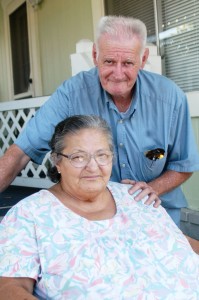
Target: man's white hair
x=119, y=26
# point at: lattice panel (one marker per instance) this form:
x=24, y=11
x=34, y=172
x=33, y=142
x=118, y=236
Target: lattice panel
x=12, y=122
x=33, y=170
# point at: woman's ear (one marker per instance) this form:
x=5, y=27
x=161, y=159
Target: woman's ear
x=145, y=57
x=58, y=167
x=55, y=161
x=94, y=54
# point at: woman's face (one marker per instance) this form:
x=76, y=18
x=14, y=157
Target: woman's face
x=92, y=178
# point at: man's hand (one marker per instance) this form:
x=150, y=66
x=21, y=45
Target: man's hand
x=146, y=190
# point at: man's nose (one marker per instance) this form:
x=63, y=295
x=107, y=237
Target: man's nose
x=118, y=71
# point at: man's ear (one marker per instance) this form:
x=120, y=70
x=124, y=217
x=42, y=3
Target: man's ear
x=144, y=57
x=94, y=54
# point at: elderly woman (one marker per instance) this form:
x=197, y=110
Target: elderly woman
x=86, y=237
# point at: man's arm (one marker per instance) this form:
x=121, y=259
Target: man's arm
x=168, y=181
x=194, y=244
x=11, y=163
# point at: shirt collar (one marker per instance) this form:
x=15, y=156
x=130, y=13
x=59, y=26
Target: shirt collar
x=132, y=107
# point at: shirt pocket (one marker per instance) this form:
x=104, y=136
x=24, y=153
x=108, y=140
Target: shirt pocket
x=151, y=169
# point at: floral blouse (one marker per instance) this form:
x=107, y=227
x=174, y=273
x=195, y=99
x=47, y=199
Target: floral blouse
x=138, y=254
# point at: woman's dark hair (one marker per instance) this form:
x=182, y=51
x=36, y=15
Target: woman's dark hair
x=71, y=126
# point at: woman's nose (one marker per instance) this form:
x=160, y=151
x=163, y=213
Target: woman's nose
x=92, y=163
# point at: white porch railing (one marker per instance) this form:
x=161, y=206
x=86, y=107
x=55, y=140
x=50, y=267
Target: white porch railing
x=13, y=118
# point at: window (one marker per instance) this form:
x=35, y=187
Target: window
x=141, y=9
x=179, y=42
x=177, y=30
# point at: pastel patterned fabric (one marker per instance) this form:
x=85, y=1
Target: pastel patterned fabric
x=138, y=254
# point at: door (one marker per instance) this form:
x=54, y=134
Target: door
x=20, y=55
x=22, y=49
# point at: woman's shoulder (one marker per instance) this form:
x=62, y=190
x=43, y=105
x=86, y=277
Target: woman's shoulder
x=36, y=199
x=118, y=189
x=30, y=205
x=120, y=193
x=121, y=190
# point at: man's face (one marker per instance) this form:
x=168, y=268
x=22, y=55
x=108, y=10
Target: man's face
x=118, y=61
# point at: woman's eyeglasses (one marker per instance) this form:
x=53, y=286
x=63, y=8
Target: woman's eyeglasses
x=81, y=159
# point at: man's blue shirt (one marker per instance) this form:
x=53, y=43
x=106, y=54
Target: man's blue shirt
x=157, y=118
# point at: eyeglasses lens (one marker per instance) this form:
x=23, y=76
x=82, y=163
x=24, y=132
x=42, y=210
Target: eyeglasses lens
x=82, y=159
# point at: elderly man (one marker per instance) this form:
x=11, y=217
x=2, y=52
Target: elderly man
x=148, y=115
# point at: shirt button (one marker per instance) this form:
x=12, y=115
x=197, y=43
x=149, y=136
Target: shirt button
x=123, y=165
x=121, y=144
x=120, y=121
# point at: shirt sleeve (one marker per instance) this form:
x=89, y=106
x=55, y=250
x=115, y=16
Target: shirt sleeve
x=18, y=247
x=36, y=135
x=182, y=153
